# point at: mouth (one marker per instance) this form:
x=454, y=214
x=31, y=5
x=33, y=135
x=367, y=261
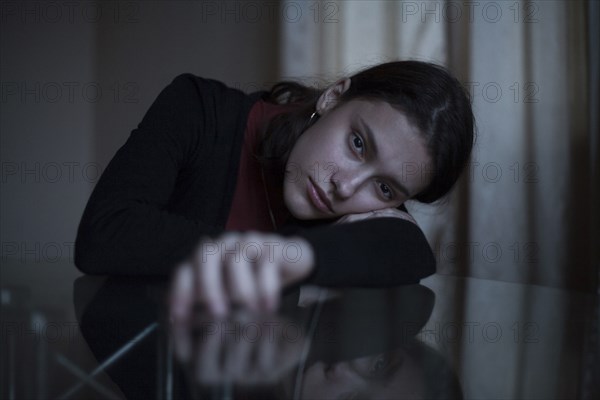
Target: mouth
x=318, y=197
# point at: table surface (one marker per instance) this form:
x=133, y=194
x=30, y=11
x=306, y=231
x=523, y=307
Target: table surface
x=69, y=336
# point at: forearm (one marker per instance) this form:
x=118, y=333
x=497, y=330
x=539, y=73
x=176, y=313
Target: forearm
x=136, y=240
x=376, y=252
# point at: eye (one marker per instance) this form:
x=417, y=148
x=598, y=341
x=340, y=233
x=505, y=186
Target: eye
x=379, y=365
x=357, y=143
x=387, y=192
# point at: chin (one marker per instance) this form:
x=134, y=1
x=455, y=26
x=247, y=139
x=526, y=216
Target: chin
x=302, y=214
x=304, y=211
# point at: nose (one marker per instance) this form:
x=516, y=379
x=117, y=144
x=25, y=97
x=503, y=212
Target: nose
x=346, y=183
x=340, y=371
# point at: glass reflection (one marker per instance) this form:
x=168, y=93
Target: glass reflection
x=348, y=344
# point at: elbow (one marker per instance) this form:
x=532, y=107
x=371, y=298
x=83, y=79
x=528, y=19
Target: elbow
x=428, y=266
x=88, y=248
x=425, y=261
x=92, y=256
x=415, y=251
x=96, y=248
x=85, y=257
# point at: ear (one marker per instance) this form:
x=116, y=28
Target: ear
x=330, y=97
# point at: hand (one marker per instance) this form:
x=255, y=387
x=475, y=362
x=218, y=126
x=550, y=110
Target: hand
x=241, y=349
x=385, y=212
x=247, y=269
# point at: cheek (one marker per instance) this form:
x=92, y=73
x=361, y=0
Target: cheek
x=317, y=154
x=302, y=145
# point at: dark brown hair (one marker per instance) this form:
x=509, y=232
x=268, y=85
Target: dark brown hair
x=431, y=98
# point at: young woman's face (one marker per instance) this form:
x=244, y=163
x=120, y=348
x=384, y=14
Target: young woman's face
x=358, y=157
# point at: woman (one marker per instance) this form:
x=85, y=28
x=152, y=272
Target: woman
x=301, y=181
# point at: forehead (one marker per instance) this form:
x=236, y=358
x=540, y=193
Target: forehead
x=387, y=121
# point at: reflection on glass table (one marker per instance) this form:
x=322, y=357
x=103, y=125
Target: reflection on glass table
x=354, y=343
x=450, y=337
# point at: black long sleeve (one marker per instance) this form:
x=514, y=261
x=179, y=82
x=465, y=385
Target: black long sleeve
x=377, y=252
x=168, y=185
x=173, y=181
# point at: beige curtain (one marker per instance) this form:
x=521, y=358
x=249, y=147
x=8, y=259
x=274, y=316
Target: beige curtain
x=523, y=212
x=526, y=211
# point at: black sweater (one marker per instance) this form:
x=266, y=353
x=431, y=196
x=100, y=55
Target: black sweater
x=172, y=183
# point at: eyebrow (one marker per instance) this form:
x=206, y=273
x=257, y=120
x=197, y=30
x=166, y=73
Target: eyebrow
x=371, y=139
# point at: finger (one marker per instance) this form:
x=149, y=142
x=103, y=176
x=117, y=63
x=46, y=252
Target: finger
x=393, y=212
x=241, y=283
x=209, y=281
x=240, y=276
x=269, y=285
x=182, y=341
x=182, y=293
x=266, y=355
x=208, y=358
x=348, y=218
x=238, y=355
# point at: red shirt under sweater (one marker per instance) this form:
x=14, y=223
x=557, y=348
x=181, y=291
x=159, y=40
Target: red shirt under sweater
x=249, y=209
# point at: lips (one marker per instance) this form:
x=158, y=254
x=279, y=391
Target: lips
x=318, y=197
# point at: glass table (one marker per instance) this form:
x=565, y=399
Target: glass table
x=69, y=336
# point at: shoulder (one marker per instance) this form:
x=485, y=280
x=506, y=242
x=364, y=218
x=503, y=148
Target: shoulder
x=200, y=100
x=188, y=84
x=189, y=80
